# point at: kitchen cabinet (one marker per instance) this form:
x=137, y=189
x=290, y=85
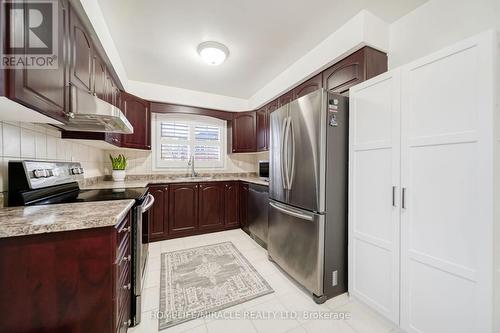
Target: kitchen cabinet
x=69, y=281
x=416, y=253
x=307, y=87
x=100, y=78
x=158, y=226
x=262, y=118
x=231, y=202
x=138, y=114
x=356, y=68
x=243, y=133
x=40, y=89
x=211, y=205
x=285, y=98
x=81, y=54
x=243, y=196
x=183, y=208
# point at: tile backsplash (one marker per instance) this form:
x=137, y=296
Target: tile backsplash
x=43, y=142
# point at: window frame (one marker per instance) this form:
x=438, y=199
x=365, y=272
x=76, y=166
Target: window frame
x=192, y=121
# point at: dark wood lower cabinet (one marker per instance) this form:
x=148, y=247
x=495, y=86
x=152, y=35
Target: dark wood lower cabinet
x=183, y=209
x=243, y=196
x=194, y=208
x=72, y=281
x=232, y=211
x=158, y=215
x=211, y=206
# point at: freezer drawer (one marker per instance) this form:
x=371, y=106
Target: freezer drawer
x=296, y=244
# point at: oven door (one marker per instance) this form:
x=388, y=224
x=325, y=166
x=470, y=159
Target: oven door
x=140, y=255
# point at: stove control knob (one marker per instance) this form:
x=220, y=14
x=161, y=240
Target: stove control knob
x=40, y=173
x=49, y=173
x=76, y=171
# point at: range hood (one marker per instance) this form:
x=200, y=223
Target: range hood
x=92, y=114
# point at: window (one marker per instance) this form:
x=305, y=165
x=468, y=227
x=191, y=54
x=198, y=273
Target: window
x=178, y=137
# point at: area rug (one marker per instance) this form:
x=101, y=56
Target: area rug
x=205, y=279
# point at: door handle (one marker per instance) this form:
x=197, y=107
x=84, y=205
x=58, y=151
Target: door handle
x=403, y=198
x=394, y=196
x=282, y=152
x=292, y=170
x=292, y=213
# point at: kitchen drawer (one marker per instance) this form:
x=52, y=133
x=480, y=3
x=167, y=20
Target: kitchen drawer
x=123, y=296
x=123, y=321
x=123, y=249
x=123, y=229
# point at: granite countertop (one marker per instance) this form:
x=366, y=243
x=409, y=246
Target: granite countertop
x=29, y=220
x=168, y=180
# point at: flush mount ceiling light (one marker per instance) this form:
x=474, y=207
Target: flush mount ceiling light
x=213, y=53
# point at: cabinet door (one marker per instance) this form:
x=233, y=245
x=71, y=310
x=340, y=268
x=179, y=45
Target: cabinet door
x=262, y=129
x=45, y=90
x=345, y=74
x=243, y=197
x=183, y=208
x=100, y=78
x=244, y=132
x=447, y=170
x=285, y=98
x=158, y=227
x=81, y=54
x=307, y=87
x=138, y=114
x=232, y=214
x=374, y=210
x=211, y=205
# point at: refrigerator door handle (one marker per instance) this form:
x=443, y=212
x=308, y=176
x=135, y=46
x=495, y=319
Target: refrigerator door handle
x=292, y=169
x=292, y=212
x=286, y=148
x=282, y=153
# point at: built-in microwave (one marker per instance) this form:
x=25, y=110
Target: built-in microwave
x=264, y=169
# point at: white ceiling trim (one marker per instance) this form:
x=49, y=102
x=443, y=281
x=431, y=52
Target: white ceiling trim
x=363, y=29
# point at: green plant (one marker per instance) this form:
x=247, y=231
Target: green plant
x=119, y=162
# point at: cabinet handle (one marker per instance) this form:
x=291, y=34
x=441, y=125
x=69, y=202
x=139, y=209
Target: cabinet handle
x=394, y=196
x=126, y=287
x=403, y=198
x=127, y=229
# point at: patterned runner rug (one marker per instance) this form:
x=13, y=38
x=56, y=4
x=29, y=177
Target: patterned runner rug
x=205, y=279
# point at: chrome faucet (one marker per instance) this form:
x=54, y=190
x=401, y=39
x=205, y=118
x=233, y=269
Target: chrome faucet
x=191, y=164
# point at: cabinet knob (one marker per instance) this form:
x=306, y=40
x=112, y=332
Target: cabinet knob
x=127, y=229
x=126, y=323
x=71, y=114
x=127, y=258
x=126, y=287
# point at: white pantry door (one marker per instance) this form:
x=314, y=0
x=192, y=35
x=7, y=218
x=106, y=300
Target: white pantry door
x=374, y=174
x=447, y=173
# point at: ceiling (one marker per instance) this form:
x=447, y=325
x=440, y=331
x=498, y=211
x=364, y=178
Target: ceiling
x=157, y=39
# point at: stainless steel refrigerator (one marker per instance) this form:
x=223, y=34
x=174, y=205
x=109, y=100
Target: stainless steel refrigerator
x=308, y=192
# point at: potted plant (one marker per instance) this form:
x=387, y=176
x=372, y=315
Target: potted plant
x=119, y=163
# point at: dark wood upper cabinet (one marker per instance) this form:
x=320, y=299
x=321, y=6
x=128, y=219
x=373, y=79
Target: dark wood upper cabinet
x=44, y=90
x=307, y=87
x=243, y=130
x=100, y=76
x=232, y=214
x=82, y=54
x=356, y=68
x=183, y=208
x=262, y=129
x=158, y=222
x=210, y=205
x=138, y=114
x=285, y=98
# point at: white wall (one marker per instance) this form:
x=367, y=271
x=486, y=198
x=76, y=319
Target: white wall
x=439, y=23
x=36, y=142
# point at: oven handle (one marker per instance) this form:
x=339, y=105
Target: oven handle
x=148, y=203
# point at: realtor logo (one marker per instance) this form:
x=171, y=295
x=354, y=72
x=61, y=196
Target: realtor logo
x=31, y=34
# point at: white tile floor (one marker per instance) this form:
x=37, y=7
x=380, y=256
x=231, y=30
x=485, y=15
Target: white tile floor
x=287, y=297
